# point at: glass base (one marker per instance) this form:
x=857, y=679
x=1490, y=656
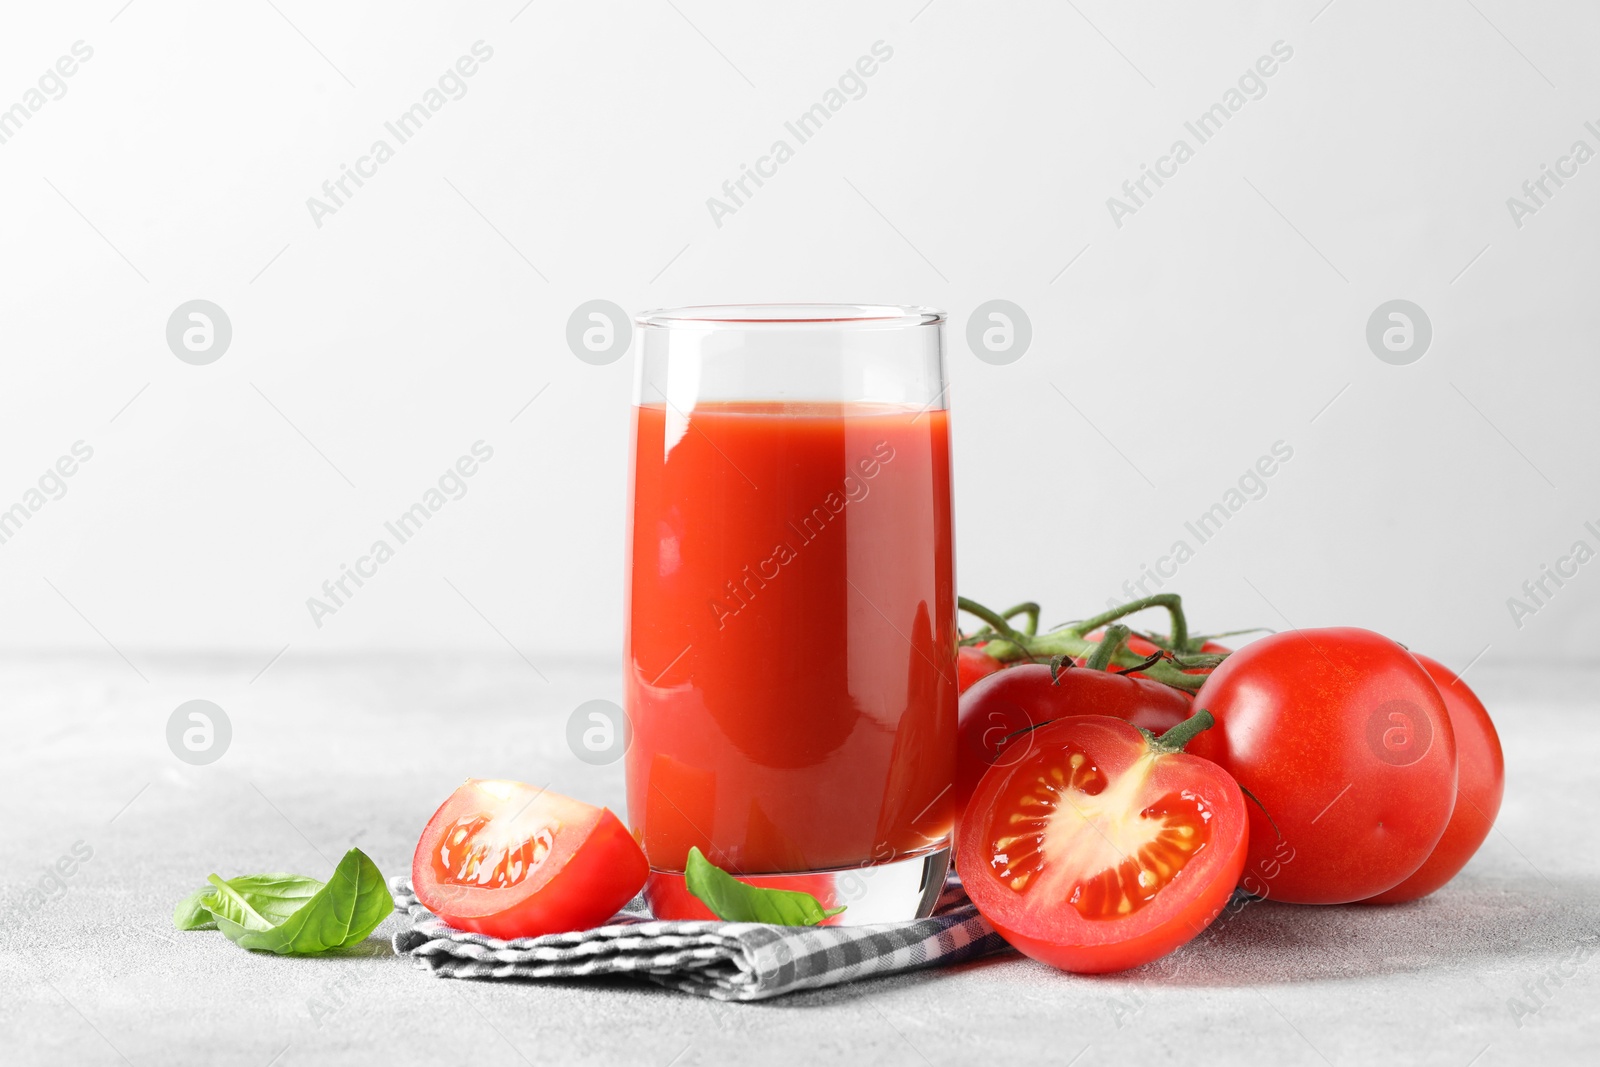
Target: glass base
x=897, y=891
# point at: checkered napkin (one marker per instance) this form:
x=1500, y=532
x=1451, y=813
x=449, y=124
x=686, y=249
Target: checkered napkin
x=725, y=961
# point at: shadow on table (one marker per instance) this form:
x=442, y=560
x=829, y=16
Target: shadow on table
x=1467, y=924
x=373, y=946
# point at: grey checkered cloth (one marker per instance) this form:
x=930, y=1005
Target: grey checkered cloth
x=725, y=961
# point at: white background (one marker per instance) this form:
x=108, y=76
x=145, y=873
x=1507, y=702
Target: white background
x=1224, y=316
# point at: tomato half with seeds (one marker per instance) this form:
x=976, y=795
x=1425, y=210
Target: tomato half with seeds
x=1104, y=848
x=509, y=860
x=994, y=718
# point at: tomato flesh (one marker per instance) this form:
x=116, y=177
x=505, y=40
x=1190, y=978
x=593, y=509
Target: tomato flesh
x=1101, y=861
x=463, y=859
x=1096, y=853
x=505, y=859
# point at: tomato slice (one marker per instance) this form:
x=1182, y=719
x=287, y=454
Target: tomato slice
x=508, y=860
x=1099, y=851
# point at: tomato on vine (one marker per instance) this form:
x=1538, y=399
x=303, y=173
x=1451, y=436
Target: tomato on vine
x=1180, y=662
x=973, y=665
x=998, y=714
x=972, y=662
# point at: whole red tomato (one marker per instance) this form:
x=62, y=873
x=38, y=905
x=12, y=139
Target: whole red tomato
x=1101, y=850
x=1480, y=783
x=1346, y=742
x=973, y=663
x=1017, y=698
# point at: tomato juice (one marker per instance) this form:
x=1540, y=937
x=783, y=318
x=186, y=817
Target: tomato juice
x=791, y=651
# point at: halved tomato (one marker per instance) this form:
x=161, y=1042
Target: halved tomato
x=1104, y=848
x=509, y=860
x=996, y=713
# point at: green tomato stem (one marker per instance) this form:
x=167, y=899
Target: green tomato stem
x=1110, y=644
x=996, y=621
x=1069, y=641
x=1074, y=646
x=1171, y=601
x=1174, y=739
x=1028, y=608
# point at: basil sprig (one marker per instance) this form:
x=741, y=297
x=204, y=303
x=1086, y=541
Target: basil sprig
x=290, y=914
x=734, y=901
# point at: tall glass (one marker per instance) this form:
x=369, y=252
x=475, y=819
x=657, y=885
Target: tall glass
x=791, y=645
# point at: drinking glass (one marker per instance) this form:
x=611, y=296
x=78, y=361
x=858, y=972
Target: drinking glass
x=791, y=642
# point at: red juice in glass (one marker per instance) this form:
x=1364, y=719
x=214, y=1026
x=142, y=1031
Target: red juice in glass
x=790, y=660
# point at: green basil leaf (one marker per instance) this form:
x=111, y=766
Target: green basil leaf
x=192, y=912
x=297, y=916
x=273, y=897
x=229, y=906
x=734, y=901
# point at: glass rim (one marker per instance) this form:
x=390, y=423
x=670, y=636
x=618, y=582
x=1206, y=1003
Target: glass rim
x=790, y=316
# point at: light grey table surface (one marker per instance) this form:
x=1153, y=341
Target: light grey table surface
x=1500, y=967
